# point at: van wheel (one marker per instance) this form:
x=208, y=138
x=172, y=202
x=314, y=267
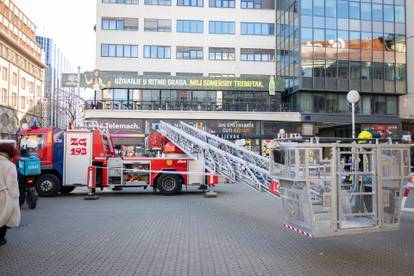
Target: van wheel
x=48, y=185
x=169, y=184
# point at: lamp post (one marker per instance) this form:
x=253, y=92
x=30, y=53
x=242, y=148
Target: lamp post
x=353, y=97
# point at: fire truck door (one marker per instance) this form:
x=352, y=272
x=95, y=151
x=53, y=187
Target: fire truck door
x=77, y=157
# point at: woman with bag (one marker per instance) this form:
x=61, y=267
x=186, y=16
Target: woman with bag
x=9, y=191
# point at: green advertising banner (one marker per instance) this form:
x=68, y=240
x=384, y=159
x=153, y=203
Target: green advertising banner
x=105, y=79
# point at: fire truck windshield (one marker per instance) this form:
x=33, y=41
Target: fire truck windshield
x=32, y=142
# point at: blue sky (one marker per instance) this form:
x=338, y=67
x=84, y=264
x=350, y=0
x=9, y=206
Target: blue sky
x=69, y=23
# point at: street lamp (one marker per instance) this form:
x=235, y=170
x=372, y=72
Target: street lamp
x=353, y=97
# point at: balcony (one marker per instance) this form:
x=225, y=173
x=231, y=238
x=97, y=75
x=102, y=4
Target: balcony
x=250, y=106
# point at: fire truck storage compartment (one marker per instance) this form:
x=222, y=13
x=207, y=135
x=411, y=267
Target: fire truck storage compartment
x=77, y=157
x=128, y=172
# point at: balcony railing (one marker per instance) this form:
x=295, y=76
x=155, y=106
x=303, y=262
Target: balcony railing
x=251, y=106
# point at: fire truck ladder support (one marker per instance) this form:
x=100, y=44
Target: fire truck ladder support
x=220, y=156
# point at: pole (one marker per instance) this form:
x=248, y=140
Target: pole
x=78, y=103
x=353, y=120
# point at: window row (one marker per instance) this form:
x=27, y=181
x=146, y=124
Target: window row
x=337, y=103
x=185, y=52
x=119, y=50
x=188, y=26
x=344, y=69
x=244, y=4
x=134, y=2
x=343, y=24
x=355, y=10
x=353, y=40
x=120, y=24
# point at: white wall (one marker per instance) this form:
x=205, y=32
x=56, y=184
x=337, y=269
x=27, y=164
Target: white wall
x=174, y=39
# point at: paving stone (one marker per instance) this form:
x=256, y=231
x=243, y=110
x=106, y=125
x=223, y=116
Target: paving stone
x=238, y=233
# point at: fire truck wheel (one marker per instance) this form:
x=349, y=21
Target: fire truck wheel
x=48, y=185
x=169, y=184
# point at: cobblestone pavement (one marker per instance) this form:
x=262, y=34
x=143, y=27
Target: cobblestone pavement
x=237, y=233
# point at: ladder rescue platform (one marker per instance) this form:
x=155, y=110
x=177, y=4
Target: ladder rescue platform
x=327, y=189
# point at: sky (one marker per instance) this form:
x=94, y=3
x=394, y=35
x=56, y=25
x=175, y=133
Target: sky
x=69, y=23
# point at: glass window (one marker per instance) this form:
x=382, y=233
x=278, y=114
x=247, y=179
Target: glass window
x=307, y=35
x=378, y=71
x=318, y=35
x=265, y=55
x=355, y=69
x=377, y=12
x=190, y=3
x=160, y=52
x=158, y=2
x=389, y=71
x=366, y=70
x=254, y=4
x=119, y=50
x=399, y=14
x=366, y=11
x=221, y=27
x=221, y=54
x=134, y=2
x=392, y=106
x=252, y=28
x=189, y=26
x=104, y=50
x=400, y=72
x=318, y=7
x=157, y=25
x=330, y=8
x=389, y=13
x=354, y=10
x=306, y=7
x=318, y=22
x=331, y=69
x=342, y=9
x=354, y=40
x=222, y=3
x=343, y=69
x=189, y=52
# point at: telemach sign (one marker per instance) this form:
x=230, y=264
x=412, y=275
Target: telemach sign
x=105, y=79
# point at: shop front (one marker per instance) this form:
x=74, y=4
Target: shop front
x=129, y=135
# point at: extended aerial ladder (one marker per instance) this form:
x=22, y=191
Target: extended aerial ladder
x=328, y=189
x=221, y=156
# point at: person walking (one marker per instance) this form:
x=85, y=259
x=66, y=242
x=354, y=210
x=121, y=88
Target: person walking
x=9, y=191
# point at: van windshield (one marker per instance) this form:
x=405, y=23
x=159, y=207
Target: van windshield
x=32, y=142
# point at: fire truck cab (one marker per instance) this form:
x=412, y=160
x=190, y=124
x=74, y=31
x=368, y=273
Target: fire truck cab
x=53, y=146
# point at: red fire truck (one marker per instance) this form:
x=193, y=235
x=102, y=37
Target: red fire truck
x=66, y=156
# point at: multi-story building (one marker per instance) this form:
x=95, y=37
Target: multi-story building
x=328, y=47
x=207, y=62
x=61, y=102
x=21, y=70
x=407, y=101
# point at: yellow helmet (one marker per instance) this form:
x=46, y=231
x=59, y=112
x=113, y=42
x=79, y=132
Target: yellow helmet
x=363, y=136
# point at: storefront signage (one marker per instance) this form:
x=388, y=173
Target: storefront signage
x=104, y=79
x=121, y=126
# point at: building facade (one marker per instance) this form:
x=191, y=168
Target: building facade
x=21, y=70
x=327, y=47
x=210, y=63
x=407, y=101
x=61, y=102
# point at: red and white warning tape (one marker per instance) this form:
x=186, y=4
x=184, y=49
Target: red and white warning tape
x=297, y=230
